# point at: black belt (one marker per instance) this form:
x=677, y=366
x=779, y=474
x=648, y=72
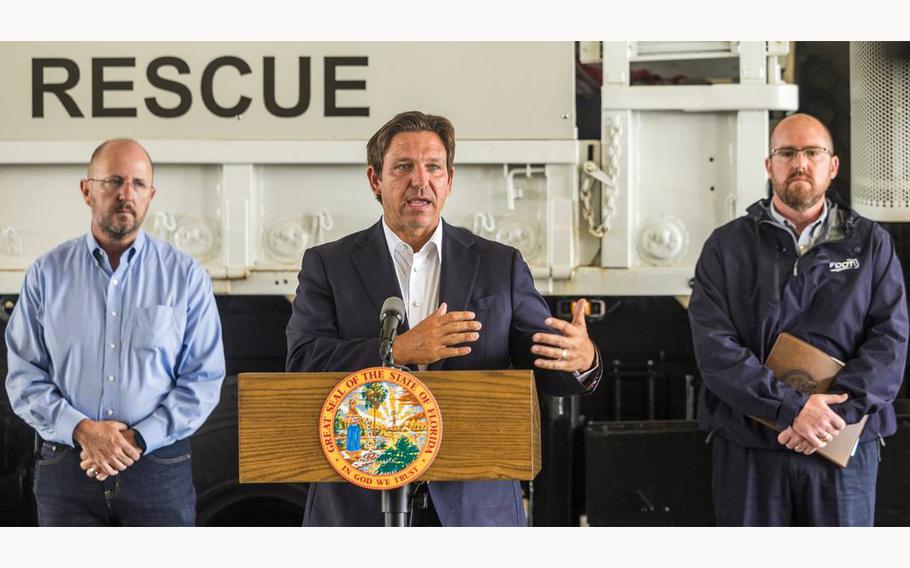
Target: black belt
x=183, y=444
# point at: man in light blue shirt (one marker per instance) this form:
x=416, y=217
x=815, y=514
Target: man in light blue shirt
x=115, y=358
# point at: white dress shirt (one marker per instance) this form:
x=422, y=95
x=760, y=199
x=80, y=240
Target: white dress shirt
x=418, y=274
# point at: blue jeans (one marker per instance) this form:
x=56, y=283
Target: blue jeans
x=758, y=487
x=157, y=490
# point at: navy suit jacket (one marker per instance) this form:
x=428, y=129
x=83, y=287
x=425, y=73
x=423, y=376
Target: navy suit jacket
x=334, y=326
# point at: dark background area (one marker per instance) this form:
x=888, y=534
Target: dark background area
x=627, y=455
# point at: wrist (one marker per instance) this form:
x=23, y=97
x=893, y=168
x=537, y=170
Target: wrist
x=400, y=353
x=590, y=364
x=79, y=430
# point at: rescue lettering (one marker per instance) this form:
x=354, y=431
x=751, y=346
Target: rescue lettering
x=171, y=75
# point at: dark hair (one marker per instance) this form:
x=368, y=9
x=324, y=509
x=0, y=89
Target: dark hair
x=411, y=121
x=100, y=149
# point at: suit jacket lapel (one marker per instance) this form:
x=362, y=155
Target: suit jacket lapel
x=374, y=267
x=460, y=262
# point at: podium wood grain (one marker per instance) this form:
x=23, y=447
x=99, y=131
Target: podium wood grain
x=490, y=426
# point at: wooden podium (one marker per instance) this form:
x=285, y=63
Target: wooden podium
x=490, y=426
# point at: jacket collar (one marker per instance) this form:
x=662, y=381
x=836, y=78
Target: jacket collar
x=460, y=262
x=841, y=219
x=458, y=273
x=373, y=265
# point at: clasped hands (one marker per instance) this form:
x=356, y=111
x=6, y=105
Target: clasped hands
x=442, y=333
x=815, y=425
x=108, y=447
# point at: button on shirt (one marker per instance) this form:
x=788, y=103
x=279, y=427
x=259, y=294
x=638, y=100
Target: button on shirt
x=140, y=344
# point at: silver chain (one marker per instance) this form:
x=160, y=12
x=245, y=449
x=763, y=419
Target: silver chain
x=609, y=187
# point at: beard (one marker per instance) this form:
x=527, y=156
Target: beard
x=117, y=229
x=799, y=195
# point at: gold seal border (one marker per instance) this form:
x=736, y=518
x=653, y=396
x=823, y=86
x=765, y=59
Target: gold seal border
x=375, y=375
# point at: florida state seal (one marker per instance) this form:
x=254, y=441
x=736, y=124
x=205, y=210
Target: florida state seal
x=380, y=428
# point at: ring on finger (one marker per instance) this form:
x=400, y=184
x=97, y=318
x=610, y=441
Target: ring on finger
x=91, y=471
x=565, y=354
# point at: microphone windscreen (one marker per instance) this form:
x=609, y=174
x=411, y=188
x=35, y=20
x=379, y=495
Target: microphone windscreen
x=392, y=305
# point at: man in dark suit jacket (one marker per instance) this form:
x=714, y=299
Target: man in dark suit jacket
x=474, y=306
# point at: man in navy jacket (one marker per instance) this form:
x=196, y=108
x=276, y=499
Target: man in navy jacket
x=471, y=304
x=803, y=263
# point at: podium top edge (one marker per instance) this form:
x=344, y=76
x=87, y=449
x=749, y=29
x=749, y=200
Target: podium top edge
x=431, y=373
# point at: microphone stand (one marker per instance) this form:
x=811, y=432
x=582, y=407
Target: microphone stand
x=396, y=504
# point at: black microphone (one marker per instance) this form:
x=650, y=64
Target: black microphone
x=391, y=315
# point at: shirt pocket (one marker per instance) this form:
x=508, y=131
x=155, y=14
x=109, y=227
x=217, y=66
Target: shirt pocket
x=157, y=327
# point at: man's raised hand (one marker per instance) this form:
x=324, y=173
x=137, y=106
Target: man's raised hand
x=437, y=337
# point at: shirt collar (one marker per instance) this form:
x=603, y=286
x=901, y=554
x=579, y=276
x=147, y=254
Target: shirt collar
x=94, y=247
x=812, y=227
x=393, y=241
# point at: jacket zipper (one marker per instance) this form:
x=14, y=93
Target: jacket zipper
x=796, y=243
x=793, y=238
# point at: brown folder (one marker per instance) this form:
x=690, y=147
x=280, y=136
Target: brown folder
x=811, y=370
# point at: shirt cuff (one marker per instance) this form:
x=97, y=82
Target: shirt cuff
x=66, y=423
x=151, y=433
x=589, y=378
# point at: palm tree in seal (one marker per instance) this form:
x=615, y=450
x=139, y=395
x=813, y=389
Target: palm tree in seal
x=374, y=394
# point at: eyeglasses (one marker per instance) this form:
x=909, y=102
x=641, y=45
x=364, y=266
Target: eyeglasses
x=116, y=183
x=789, y=153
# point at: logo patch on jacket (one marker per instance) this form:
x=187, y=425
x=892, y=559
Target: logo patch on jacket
x=846, y=264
